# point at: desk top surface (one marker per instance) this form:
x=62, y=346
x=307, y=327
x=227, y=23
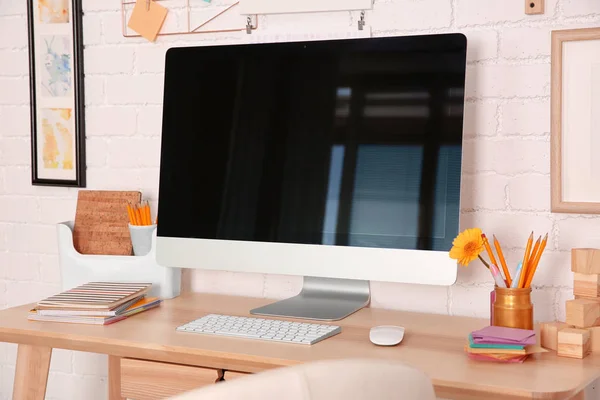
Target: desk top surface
x=432, y=343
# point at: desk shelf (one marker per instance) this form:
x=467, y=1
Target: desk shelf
x=77, y=269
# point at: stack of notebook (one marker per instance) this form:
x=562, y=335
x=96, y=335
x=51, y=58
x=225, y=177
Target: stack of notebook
x=495, y=343
x=97, y=303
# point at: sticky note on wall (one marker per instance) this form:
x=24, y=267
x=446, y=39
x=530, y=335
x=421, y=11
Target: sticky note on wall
x=147, y=18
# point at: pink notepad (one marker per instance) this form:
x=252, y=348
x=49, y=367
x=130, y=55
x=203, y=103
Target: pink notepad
x=502, y=335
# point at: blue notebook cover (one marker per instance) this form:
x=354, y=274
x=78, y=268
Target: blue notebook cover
x=474, y=345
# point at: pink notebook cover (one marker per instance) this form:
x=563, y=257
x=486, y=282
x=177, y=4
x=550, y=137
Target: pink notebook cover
x=502, y=335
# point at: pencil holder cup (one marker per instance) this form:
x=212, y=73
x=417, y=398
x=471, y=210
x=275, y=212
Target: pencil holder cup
x=141, y=238
x=512, y=308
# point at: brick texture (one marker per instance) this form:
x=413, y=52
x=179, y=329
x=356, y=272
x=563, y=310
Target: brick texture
x=505, y=188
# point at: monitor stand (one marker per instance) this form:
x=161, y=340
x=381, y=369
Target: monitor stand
x=324, y=299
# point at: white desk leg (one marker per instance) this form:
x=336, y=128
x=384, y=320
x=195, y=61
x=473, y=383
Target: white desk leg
x=114, y=378
x=31, y=375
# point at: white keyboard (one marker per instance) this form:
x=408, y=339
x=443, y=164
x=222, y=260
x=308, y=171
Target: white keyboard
x=260, y=328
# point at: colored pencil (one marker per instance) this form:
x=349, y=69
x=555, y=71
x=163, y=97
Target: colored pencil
x=518, y=272
x=525, y=260
x=497, y=276
x=503, y=262
x=488, y=249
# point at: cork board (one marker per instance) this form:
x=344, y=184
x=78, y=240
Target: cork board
x=101, y=222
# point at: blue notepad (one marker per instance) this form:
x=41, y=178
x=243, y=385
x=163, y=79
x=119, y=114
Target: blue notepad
x=474, y=345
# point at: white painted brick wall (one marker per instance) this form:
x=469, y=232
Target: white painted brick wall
x=525, y=43
x=508, y=80
x=111, y=121
x=529, y=192
x=109, y=60
x=14, y=120
x=506, y=160
x=481, y=119
x=483, y=45
x=522, y=118
x=526, y=155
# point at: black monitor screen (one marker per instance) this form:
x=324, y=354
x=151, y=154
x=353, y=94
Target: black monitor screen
x=349, y=143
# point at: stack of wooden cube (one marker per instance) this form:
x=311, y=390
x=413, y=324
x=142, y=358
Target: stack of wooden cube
x=580, y=333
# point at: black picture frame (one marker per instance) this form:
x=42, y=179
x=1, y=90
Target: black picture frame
x=77, y=107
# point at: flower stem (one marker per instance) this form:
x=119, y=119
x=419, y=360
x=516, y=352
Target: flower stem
x=484, y=262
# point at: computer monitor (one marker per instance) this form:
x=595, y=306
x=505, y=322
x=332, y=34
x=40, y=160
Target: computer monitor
x=339, y=161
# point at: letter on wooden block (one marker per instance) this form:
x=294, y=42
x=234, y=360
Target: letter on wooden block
x=549, y=333
x=583, y=313
x=573, y=342
x=586, y=285
x=585, y=261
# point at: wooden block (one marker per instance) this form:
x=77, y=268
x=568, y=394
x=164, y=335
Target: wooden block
x=597, y=299
x=549, y=333
x=585, y=261
x=534, y=7
x=583, y=313
x=586, y=285
x=594, y=339
x=574, y=343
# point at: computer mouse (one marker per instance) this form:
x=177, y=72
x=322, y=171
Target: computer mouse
x=386, y=335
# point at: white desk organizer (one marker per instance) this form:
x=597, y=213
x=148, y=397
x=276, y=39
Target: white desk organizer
x=77, y=269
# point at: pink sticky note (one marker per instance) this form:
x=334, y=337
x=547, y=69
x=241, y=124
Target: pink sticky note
x=502, y=335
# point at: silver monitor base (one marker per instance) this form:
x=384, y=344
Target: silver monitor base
x=324, y=299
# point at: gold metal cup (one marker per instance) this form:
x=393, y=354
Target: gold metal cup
x=513, y=308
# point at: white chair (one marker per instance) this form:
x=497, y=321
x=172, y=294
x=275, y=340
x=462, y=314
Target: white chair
x=325, y=380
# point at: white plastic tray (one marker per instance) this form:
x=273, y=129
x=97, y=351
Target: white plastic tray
x=77, y=269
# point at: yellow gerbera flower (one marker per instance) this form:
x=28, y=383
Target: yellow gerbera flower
x=467, y=246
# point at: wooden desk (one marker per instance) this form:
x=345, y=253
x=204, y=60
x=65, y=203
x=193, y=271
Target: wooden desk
x=146, y=352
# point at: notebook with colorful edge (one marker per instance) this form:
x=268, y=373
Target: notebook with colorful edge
x=95, y=296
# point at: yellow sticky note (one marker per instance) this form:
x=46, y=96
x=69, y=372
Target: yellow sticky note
x=147, y=19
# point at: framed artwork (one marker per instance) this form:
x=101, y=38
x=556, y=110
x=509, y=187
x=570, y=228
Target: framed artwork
x=575, y=137
x=56, y=92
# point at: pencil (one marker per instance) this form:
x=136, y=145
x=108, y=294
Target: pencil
x=144, y=214
x=536, y=261
x=132, y=216
x=138, y=216
x=135, y=222
x=532, y=258
x=148, y=216
x=486, y=244
x=502, y=261
x=525, y=259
